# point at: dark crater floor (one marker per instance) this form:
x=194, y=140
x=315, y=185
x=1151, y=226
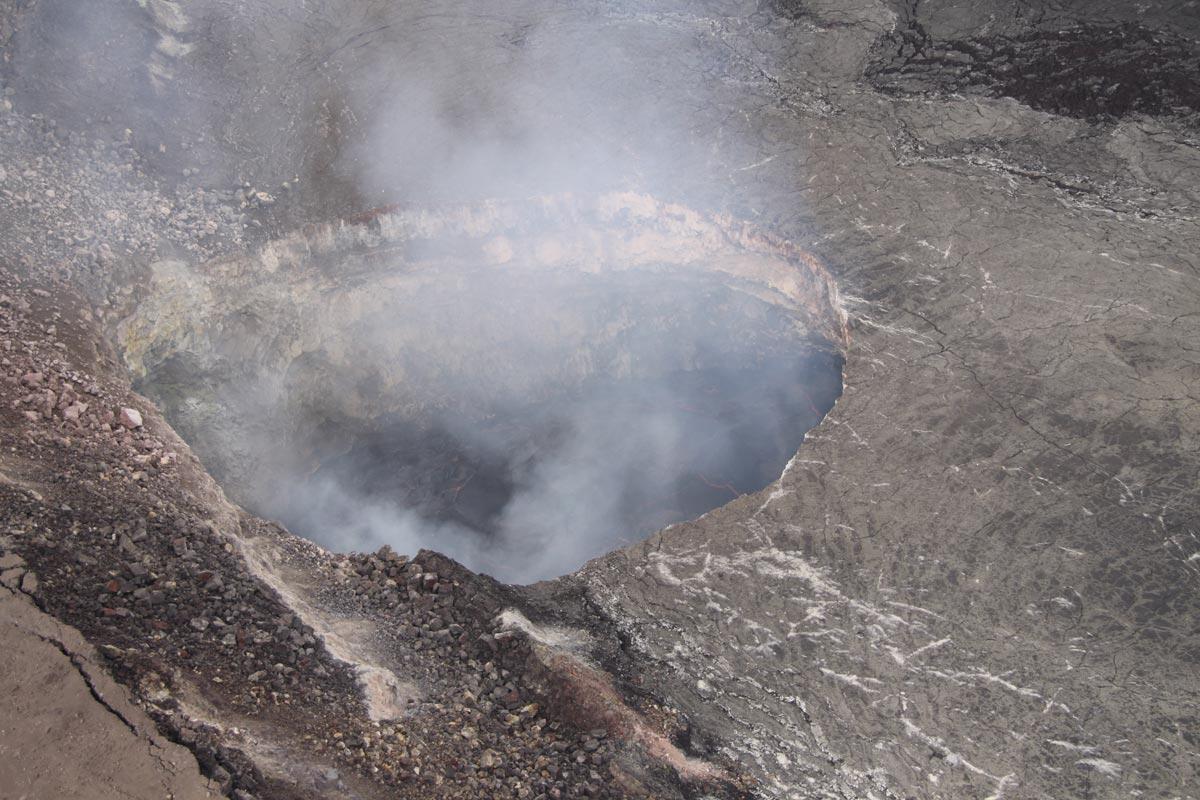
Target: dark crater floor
x=600, y=453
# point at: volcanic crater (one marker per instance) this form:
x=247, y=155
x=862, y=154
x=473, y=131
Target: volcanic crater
x=521, y=385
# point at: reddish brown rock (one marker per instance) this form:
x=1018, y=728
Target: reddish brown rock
x=130, y=418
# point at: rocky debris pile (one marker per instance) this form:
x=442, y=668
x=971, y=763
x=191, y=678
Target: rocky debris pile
x=115, y=542
x=489, y=705
x=440, y=625
x=61, y=401
x=13, y=575
x=85, y=205
x=121, y=555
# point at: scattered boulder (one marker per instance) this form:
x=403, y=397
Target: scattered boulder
x=29, y=583
x=130, y=418
x=11, y=578
x=72, y=412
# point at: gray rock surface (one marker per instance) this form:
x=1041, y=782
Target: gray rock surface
x=978, y=576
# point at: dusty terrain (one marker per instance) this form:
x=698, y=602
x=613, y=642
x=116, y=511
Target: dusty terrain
x=977, y=578
x=69, y=730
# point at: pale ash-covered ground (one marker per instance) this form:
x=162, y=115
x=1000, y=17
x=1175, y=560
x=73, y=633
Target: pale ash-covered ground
x=977, y=577
x=69, y=730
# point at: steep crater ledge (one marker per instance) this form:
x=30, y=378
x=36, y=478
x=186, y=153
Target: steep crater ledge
x=521, y=385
